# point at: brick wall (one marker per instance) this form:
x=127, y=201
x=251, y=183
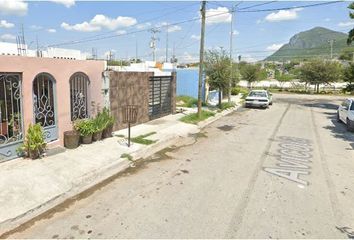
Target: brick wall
x=132, y=88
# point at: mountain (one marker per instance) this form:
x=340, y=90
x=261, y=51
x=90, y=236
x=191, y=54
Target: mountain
x=313, y=43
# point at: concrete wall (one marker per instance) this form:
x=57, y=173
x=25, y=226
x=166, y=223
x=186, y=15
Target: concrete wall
x=61, y=70
x=132, y=88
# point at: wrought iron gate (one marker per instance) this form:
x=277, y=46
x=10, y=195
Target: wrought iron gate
x=11, y=122
x=160, y=96
x=44, y=105
x=79, y=85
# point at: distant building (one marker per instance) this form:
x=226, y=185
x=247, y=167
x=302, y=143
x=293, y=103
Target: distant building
x=60, y=53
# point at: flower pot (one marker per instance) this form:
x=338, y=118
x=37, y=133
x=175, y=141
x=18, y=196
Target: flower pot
x=34, y=154
x=71, y=139
x=97, y=136
x=86, y=139
x=107, y=132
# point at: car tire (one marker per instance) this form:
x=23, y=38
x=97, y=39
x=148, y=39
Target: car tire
x=350, y=125
x=338, y=118
x=271, y=103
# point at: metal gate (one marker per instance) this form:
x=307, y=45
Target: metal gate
x=160, y=96
x=11, y=121
x=79, y=85
x=44, y=105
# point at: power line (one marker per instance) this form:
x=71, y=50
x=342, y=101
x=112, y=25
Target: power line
x=289, y=8
x=257, y=5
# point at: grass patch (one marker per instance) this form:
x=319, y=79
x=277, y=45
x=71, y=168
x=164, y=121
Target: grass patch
x=187, y=101
x=193, y=117
x=226, y=105
x=141, y=139
x=127, y=155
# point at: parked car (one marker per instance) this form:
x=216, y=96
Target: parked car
x=345, y=113
x=259, y=98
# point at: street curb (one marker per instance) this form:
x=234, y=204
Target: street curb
x=96, y=177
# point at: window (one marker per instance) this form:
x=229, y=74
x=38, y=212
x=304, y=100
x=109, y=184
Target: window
x=79, y=85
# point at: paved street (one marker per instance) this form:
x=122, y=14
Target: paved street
x=284, y=172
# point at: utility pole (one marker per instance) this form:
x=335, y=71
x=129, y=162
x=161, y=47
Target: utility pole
x=231, y=40
x=136, y=51
x=201, y=59
x=331, y=42
x=153, y=42
x=166, y=60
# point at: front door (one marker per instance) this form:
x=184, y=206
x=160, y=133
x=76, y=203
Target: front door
x=11, y=121
x=44, y=108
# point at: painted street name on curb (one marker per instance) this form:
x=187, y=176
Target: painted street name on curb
x=294, y=156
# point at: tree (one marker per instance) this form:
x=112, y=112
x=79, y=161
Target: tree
x=348, y=76
x=250, y=73
x=351, y=32
x=283, y=78
x=319, y=72
x=217, y=69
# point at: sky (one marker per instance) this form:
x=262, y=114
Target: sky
x=122, y=27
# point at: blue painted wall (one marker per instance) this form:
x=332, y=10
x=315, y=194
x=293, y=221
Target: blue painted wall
x=187, y=82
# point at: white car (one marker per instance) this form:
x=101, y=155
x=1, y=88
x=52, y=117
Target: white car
x=259, y=98
x=345, y=113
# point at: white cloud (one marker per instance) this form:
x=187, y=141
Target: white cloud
x=6, y=24
x=35, y=27
x=80, y=27
x=143, y=25
x=119, y=32
x=346, y=24
x=188, y=58
x=217, y=15
x=235, y=32
x=100, y=21
x=174, y=28
x=195, y=37
x=274, y=47
x=248, y=58
x=13, y=7
x=66, y=3
x=283, y=15
x=8, y=37
x=51, y=30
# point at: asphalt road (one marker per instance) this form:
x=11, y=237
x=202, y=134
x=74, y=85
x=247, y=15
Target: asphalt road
x=284, y=172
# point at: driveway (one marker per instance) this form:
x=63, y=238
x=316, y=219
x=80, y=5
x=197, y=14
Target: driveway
x=283, y=172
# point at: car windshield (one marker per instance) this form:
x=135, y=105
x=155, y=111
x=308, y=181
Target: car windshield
x=257, y=94
x=352, y=106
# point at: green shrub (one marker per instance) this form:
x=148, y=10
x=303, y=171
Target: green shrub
x=193, y=117
x=108, y=118
x=85, y=126
x=34, y=143
x=99, y=122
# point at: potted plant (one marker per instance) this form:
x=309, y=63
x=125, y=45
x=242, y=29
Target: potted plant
x=99, y=124
x=109, y=121
x=86, y=128
x=34, y=144
x=71, y=139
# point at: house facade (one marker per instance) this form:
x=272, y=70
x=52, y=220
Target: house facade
x=52, y=92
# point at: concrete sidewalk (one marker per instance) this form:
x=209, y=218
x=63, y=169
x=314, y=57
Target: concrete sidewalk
x=29, y=188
